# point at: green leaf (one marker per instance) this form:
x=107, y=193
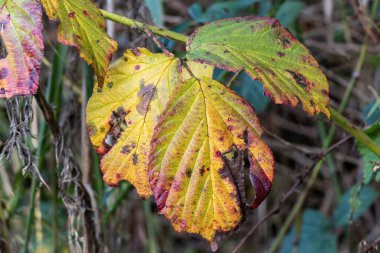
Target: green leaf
x=196, y=163
x=81, y=25
x=315, y=236
x=269, y=54
x=371, y=161
x=355, y=203
x=21, y=46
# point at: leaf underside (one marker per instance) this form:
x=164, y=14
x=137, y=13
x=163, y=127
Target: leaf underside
x=21, y=47
x=82, y=25
x=269, y=54
x=196, y=161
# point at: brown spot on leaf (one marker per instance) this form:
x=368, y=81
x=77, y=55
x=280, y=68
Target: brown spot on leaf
x=126, y=149
x=300, y=79
x=92, y=129
x=202, y=170
x=85, y=13
x=110, y=85
x=135, y=159
x=281, y=54
x=146, y=93
x=3, y=73
x=71, y=14
x=218, y=154
x=137, y=67
x=117, y=122
x=117, y=176
x=285, y=42
x=188, y=172
x=136, y=52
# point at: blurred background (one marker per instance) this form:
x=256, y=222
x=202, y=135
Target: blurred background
x=342, y=210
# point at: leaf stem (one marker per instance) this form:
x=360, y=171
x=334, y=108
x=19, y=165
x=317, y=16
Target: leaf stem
x=347, y=126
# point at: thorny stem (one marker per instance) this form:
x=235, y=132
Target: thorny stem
x=342, y=122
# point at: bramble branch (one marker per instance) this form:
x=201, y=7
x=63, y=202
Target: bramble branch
x=338, y=119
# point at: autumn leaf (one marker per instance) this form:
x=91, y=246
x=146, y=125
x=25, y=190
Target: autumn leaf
x=82, y=25
x=196, y=165
x=269, y=54
x=21, y=47
x=121, y=116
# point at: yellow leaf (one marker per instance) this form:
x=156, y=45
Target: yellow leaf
x=196, y=162
x=121, y=116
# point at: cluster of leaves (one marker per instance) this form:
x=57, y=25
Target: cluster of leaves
x=163, y=123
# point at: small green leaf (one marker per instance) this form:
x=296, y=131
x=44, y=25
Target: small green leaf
x=269, y=54
x=355, y=203
x=316, y=235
